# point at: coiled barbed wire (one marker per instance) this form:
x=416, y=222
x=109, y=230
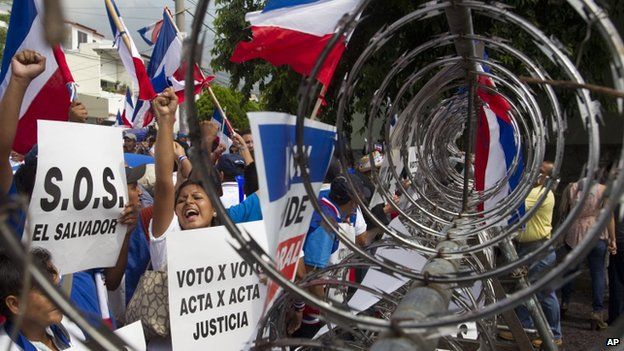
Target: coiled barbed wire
x=441, y=212
x=433, y=224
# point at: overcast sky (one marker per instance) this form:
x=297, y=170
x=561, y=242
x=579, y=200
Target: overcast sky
x=137, y=14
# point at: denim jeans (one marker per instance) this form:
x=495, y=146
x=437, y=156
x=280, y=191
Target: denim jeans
x=616, y=284
x=596, y=262
x=547, y=297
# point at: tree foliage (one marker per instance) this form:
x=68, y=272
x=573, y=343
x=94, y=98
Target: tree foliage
x=3, y=34
x=233, y=103
x=279, y=84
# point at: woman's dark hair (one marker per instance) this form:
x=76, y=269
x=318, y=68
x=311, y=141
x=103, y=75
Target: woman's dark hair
x=25, y=178
x=12, y=274
x=190, y=181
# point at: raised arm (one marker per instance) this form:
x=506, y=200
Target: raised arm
x=612, y=242
x=184, y=164
x=242, y=148
x=129, y=217
x=25, y=67
x=209, y=130
x=165, y=106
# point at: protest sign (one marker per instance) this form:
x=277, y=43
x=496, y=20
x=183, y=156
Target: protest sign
x=286, y=206
x=387, y=177
x=79, y=194
x=387, y=283
x=215, y=298
x=412, y=161
x=133, y=336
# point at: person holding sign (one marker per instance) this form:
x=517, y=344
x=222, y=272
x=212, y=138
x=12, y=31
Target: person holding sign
x=42, y=326
x=187, y=208
x=320, y=242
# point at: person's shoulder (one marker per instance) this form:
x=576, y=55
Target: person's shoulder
x=6, y=343
x=5, y=340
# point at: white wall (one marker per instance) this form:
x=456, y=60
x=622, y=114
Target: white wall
x=115, y=103
x=112, y=70
x=85, y=68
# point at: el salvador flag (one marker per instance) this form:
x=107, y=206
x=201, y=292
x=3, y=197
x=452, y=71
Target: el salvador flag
x=150, y=33
x=130, y=56
x=295, y=33
x=135, y=67
x=49, y=95
x=128, y=109
x=225, y=130
x=166, y=68
x=497, y=145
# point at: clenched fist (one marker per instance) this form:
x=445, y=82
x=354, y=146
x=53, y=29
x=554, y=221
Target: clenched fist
x=27, y=65
x=165, y=106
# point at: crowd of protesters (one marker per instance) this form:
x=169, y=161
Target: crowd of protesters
x=164, y=197
x=168, y=196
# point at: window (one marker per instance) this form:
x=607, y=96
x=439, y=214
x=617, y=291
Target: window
x=111, y=87
x=82, y=38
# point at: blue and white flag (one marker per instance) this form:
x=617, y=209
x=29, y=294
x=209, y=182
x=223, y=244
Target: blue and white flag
x=150, y=33
x=225, y=130
x=128, y=110
x=166, y=67
x=497, y=145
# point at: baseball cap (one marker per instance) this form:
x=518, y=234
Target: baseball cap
x=182, y=135
x=130, y=136
x=341, y=192
x=231, y=165
x=134, y=174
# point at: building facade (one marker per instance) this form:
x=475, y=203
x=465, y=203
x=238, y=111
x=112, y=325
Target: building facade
x=99, y=72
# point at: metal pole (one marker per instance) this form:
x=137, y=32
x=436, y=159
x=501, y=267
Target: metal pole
x=460, y=23
x=532, y=304
x=423, y=301
x=179, y=15
x=181, y=28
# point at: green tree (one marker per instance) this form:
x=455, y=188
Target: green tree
x=279, y=84
x=234, y=103
x=3, y=34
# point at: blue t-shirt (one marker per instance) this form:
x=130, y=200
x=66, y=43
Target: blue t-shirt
x=138, y=259
x=17, y=221
x=321, y=243
x=247, y=211
x=84, y=295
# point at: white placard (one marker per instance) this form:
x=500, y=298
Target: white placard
x=215, y=299
x=133, y=335
x=79, y=194
x=286, y=206
x=412, y=161
x=382, y=282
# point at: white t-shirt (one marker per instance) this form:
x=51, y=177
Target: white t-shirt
x=158, y=246
x=230, y=194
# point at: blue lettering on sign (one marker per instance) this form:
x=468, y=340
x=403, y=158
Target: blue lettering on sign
x=279, y=149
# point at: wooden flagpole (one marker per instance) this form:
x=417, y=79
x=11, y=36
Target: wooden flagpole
x=319, y=102
x=119, y=25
